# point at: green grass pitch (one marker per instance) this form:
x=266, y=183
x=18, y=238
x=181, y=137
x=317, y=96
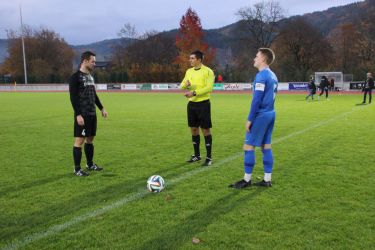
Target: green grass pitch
x=323, y=194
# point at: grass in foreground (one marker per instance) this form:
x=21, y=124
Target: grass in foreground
x=322, y=195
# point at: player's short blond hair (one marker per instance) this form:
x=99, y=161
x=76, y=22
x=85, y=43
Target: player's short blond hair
x=269, y=55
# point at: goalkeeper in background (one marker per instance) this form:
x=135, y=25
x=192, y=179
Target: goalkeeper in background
x=198, y=82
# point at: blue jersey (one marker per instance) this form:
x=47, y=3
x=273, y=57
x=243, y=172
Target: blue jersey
x=265, y=88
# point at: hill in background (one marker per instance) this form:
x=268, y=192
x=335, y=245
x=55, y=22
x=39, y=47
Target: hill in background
x=222, y=38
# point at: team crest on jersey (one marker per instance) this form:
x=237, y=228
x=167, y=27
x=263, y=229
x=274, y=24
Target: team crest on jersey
x=259, y=86
x=87, y=80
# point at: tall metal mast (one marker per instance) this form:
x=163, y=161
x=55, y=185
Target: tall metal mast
x=23, y=48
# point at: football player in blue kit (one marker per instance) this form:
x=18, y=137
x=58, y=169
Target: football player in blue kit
x=261, y=120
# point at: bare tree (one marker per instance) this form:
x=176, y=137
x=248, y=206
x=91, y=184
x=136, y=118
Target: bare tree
x=128, y=35
x=301, y=50
x=346, y=41
x=128, y=31
x=148, y=34
x=367, y=41
x=261, y=20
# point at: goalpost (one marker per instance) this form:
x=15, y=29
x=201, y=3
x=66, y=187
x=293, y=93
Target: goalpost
x=338, y=77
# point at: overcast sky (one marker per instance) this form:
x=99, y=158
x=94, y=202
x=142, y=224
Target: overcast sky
x=87, y=21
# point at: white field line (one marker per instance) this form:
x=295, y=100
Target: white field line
x=16, y=244
x=277, y=140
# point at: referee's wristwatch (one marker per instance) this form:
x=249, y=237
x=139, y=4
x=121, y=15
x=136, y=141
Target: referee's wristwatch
x=194, y=93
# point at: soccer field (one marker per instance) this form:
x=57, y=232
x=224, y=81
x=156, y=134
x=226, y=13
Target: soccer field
x=323, y=194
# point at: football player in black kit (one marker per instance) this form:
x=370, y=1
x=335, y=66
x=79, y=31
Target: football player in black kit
x=84, y=98
x=323, y=87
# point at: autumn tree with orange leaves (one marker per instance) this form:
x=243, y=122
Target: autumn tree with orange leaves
x=189, y=39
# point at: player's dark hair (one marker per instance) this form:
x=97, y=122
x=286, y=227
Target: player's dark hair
x=269, y=54
x=198, y=54
x=86, y=55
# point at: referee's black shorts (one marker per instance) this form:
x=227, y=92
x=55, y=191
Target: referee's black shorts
x=87, y=130
x=199, y=114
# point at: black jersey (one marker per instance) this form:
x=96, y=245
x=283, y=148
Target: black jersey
x=312, y=85
x=369, y=84
x=324, y=83
x=83, y=94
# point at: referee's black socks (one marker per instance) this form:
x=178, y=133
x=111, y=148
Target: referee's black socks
x=196, y=140
x=208, y=141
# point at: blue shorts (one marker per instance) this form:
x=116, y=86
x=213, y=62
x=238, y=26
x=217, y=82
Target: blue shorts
x=261, y=129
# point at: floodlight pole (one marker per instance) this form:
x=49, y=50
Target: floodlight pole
x=23, y=49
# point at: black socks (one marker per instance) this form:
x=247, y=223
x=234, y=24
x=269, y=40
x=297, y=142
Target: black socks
x=77, y=155
x=196, y=140
x=208, y=141
x=89, y=152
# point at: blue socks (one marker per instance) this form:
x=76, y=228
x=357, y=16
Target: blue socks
x=249, y=161
x=267, y=160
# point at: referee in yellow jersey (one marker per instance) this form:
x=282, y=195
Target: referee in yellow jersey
x=199, y=82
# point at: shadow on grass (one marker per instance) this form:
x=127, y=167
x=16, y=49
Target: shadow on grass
x=106, y=173
x=17, y=226
x=361, y=104
x=39, y=182
x=176, y=236
x=32, y=121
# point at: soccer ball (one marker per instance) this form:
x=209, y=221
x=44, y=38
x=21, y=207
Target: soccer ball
x=155, y=184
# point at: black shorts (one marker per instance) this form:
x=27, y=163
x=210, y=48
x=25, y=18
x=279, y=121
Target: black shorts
x=87, y=130
x=199, y=114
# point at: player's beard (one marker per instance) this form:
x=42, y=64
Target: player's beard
x=89, y=69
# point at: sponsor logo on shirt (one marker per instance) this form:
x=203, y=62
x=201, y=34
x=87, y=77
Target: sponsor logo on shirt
x=88, y=80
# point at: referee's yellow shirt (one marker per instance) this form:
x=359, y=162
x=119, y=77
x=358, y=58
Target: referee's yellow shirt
x=202, y=82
